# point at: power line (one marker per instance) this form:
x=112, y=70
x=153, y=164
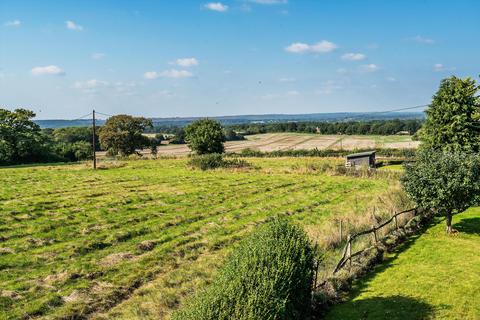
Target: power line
x=80, y=118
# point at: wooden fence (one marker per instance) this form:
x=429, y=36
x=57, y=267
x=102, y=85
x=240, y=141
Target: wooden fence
x=348, y=255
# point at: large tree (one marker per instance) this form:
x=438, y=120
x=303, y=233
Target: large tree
x=205, y=136
x=446, y=181
x=123, y=134
x=453, y=117
x=21, y=140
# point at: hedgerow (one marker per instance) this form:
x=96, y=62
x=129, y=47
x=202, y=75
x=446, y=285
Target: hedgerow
x=269, y=276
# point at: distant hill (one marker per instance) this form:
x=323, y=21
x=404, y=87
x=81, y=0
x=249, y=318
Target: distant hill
x=263, y=118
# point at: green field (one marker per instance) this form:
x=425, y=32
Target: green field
x=132, y=240
x=433, y=276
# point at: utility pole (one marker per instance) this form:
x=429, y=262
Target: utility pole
x=93, y=143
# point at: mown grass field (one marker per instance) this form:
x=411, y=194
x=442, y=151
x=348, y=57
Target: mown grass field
x=433, y=276
x=131, y=241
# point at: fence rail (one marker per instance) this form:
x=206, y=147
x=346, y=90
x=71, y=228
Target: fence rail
x=347, y=254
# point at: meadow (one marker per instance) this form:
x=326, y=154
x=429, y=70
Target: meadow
x=431, y=276
x=135, y=238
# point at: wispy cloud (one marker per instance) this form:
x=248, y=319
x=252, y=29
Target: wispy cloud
x=216, y=6
x=422, y=40
x=173, y=73
x=323, y=46
x=52, y=70
x=186, y=62
x=90, y=86
x=328, y=87
x=269, y=1
x=293, y=93
x=354, y=56
x=73, y=26
x=13, y=23
x=371, y=67
x=438, y=67
x=98, y=55
x=286, y=79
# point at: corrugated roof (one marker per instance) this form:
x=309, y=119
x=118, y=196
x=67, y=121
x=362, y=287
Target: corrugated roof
x=361, y=154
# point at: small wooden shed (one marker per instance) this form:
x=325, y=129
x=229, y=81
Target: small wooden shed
x=361, y=159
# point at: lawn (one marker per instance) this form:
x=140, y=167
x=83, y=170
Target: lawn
x=433, y=276
x=132, y=240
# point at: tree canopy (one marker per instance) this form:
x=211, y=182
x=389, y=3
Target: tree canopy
x=448, y=181
x=453, y=117
x=123, y=134
x=205, y=136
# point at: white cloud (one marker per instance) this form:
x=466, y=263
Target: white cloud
x=54, y=70
x=422, y=40
x=90, y=86
x=323, y=46
x=369, y=67
x=269, y=1
x=98, y=55
x=73, y=26
x=286, y=79
x=353, y=56
x=438, y=67
x=216, y=6
x=150, y=75
x=186, y=62
x=173, y=73
x=328, y=87
x=13, y=23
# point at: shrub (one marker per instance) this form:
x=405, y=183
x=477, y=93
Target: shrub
x=215, y=160
x=269, y=276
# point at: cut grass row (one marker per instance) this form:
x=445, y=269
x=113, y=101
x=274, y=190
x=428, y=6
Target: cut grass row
x=76, y=242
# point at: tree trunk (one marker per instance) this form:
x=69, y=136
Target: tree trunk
x=449, y=223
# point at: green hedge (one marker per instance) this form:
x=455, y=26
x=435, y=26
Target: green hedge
x=215, y=160
x=385, y=152
x=269, y=276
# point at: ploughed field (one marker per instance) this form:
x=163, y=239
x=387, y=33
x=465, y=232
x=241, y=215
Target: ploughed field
x=298, y=141
x=136, y=238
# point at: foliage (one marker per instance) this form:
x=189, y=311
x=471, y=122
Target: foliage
x=205, y=136
x=124, y=134
x=21, y=140
x=231, y=135
x=377, y=127
x=75, y=151
x=445, y=181
x=403, y=153
x=268, y=277
x=453, y=117
x=178, y=135
x=215, y=160
x=155, y=142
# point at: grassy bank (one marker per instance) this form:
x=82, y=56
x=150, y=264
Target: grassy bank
x=433, y=276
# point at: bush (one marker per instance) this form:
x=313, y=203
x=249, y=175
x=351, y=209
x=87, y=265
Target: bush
x=215, y=160
x=269, y=276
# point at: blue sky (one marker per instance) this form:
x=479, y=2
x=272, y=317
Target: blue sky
x=201, y=58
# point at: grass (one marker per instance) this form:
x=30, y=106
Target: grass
x=133, y=240
x=434, y=276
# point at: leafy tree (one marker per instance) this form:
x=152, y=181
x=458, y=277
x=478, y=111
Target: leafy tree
x=155, y=142
x=205, y=136
x=75, y=134
x=21, y=140
x=124, y=134
x=453, y=117
x=178, y=136
x=445, y=181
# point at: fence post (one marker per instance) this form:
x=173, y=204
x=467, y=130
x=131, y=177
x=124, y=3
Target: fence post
x=350, y=250
x=396, y=222
x=341, y=231
x=374, y=233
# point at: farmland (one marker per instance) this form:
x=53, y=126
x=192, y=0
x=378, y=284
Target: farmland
x=297, y=141
x=136, y=238
x=431, y=276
